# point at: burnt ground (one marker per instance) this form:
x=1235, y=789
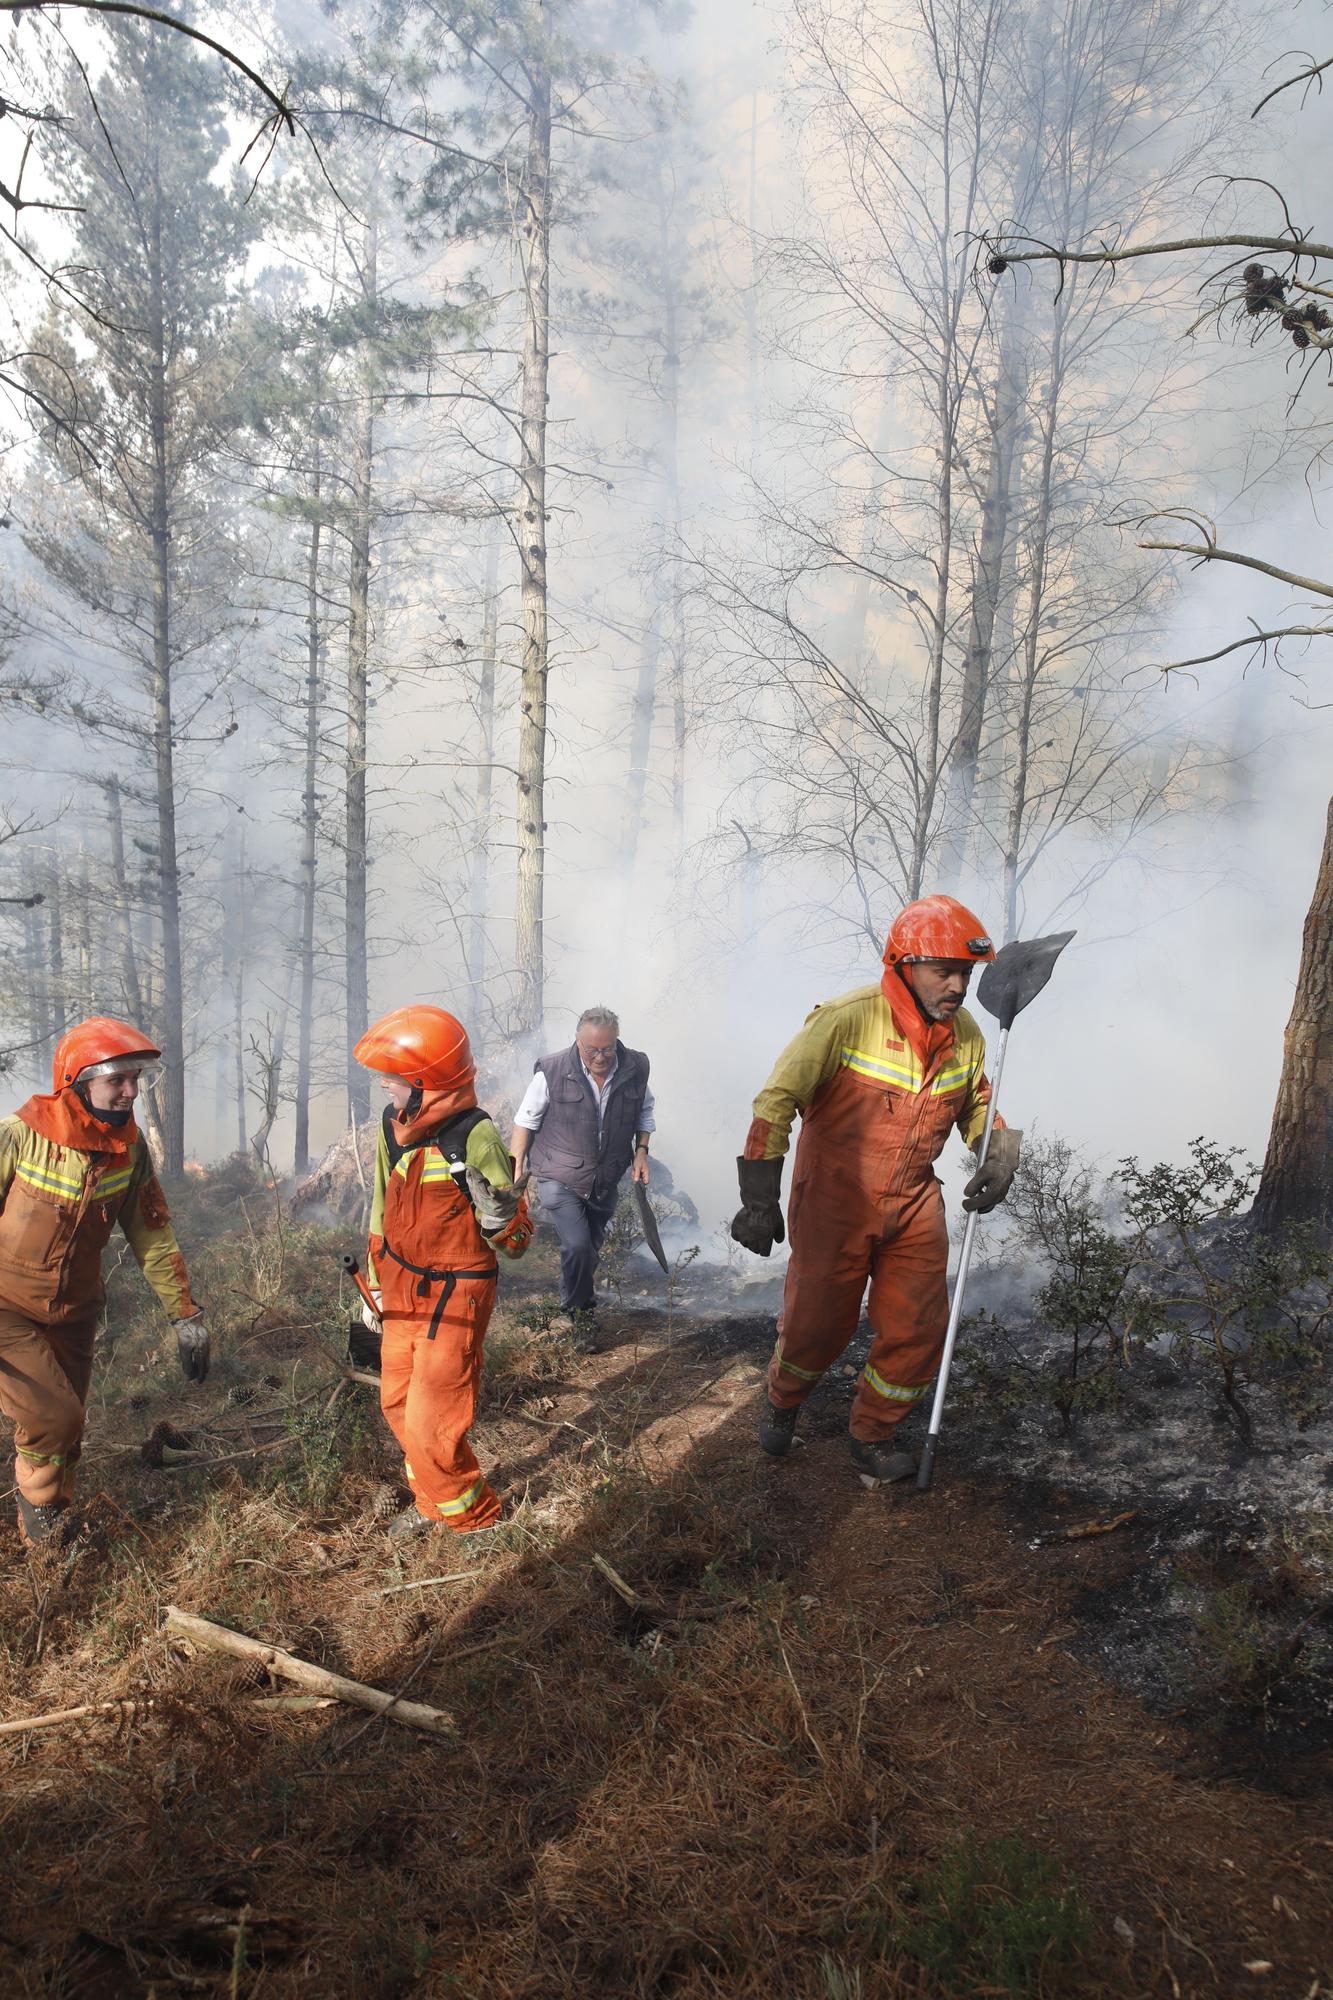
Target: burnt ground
x=745, y=1781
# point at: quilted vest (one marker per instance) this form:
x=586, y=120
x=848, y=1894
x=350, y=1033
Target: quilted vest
x=567, y=1147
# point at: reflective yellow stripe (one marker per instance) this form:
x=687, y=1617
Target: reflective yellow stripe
x=801, y=1374
x=894, y=1392
x=40, y=1457
x=903, y=1074
x=113, y=1184
x=48, y=1178
x=951, y=1079
x=469, y=1499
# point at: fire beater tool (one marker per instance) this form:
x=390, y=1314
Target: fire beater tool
x=1014, y=978
x=648, y=1222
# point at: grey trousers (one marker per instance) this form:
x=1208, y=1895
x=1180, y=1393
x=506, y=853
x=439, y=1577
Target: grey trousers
x=580, y=1225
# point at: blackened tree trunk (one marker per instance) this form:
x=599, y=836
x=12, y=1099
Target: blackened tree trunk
x=1297, y=1181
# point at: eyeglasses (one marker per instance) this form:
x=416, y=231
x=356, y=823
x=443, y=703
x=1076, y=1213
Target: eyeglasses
x=598, y=1055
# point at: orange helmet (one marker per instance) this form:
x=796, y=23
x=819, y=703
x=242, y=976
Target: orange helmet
x=937, y=927
x=97, y=1044
x=423, y=1045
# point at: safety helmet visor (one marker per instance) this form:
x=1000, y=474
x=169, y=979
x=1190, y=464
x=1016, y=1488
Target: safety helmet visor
x=118, y=1066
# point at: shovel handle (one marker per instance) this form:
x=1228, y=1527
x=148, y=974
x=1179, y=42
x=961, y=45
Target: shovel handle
x=353, y=1270
x=927, y=1465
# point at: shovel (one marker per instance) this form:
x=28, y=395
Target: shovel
x=1014, y=978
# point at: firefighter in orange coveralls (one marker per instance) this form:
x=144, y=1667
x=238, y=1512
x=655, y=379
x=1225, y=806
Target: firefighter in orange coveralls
x=445, y=1201
x=880, y=1078
x=72, y=1166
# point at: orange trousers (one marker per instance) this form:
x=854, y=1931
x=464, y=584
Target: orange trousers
x=843, y=1237
x=428, y=1392
x=44, y=1376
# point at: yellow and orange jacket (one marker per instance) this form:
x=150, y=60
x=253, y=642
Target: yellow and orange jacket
x=65, y=1182
x=420, y=1209
x=860, y=1056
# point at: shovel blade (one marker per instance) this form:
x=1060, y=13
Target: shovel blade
x=1017, y=973
x=648, y=1223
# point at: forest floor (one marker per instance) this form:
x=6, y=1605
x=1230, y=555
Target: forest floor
x=843, y=1743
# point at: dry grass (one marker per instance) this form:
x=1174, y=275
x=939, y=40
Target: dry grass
x=735, y=1787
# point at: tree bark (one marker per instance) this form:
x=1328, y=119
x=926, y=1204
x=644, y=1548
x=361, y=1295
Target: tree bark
x=1297, y=1180
x=358, y=668
x=481, y=832
x=987, y=584
x=536, y=253
x=171, y=1024
x=309, y=830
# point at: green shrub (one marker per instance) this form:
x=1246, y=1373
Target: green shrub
x=997, y=1919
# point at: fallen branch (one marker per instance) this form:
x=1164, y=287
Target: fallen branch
x=425, y=1582
x=1107, y=1525
x=57, y=1717
x=619, y=1585
x=221, y=1639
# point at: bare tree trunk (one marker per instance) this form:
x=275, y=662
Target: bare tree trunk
x=1297, y=1180
x=536, y=254
x=238, y=919
x=171, y=1023
x=1030, y=663
x=148, y=1113
x=358, y=669
x=752, y=289
x=36, y=959
x=481, y=833
x=305, y=1027
x=987, y=584
x=643, y=705
x=55, y=951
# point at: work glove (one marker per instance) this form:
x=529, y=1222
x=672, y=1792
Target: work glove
x=757, y=1224
x=992, y=1181
x=373, y=1317
x=495, y=1207
x=193, y=1346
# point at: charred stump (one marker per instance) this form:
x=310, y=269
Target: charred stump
x=1297, y=1180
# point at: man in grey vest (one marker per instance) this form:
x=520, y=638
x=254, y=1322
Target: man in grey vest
x=584, y=1119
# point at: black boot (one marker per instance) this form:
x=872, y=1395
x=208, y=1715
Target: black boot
x=879, y=1462
x=51, y=1526
x=776, y=1429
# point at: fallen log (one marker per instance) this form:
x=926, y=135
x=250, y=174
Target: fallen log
x=221, y=1639
x=57, y=1717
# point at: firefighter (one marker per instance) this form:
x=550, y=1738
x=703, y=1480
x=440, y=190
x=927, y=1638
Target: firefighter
x=880, y=1078
x=72, y=1166
x=445, y=1202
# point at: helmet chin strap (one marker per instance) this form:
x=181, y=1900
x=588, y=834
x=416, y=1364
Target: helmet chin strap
x=115, y=1119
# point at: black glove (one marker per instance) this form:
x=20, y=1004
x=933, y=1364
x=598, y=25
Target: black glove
x=757, y=1224
x=364, y=1342
x=193, y=1346
x=992, y=1181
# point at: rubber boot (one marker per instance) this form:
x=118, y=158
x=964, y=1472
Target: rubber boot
x=405, y=1527
x=49, y=1526
x=776, y=1429
x=879, y=1462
